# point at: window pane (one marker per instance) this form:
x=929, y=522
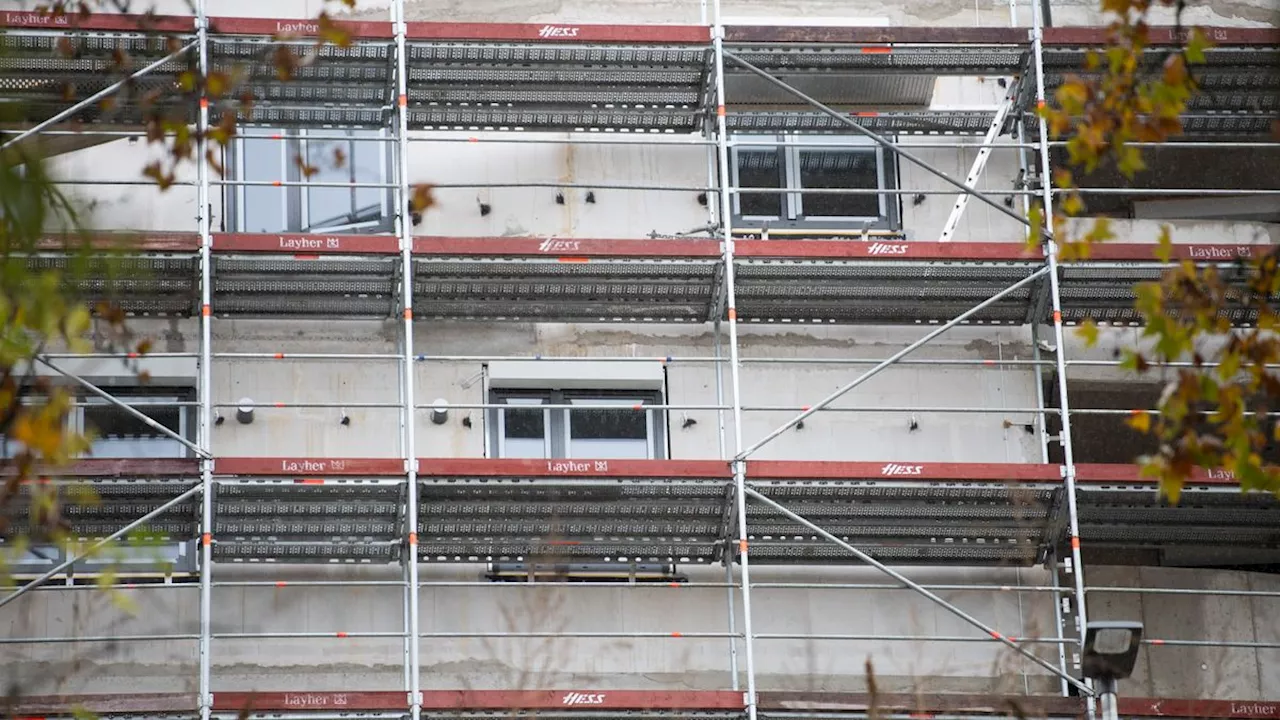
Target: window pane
x=264, y=207
x=120, y=434
x=345, y=162
x=525, y=431
x=760, y=169
x=609, y=434
x=843, y=169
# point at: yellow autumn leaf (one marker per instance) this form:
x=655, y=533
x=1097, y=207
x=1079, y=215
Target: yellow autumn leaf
x=1139, y=420
x=1088, y=331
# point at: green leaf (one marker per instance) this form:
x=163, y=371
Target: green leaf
x=1196, y=46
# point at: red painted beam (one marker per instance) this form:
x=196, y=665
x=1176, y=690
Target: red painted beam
x=1093, y=473
x=566, y=249
x=922, y=705
x=121, y=467
x=341, y=701
x=560, y=33
x=70, y=21
x=297, y=27
x=932, y=471
x=593, y=699
x=123, y=242
x=877, y=35
x=306, y=244
x=1167, y=35
x=885, y=249
x=36, y=705
x=1146, y=252
x=1148, y=707
x=481, y=467
x=276, y=466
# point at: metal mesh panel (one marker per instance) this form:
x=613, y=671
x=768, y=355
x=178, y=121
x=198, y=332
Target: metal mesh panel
x=826, y=553
x=460, y=117
x=609, y=550
x=965, y=122
x=576, y=54
x=881, y=292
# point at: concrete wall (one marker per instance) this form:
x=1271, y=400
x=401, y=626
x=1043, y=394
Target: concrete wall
x=364, y=663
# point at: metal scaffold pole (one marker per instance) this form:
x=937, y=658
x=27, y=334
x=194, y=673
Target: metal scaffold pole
x=739, y=467
x=1055, y=300
x=206, y=373
x=410, y=558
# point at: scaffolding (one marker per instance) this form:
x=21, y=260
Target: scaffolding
x=705, y=85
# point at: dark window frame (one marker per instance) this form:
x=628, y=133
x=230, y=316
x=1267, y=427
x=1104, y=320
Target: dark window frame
x=788, y=153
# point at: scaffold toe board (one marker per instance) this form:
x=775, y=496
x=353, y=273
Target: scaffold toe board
x=144, y=275
x=299, y=510
x=113, y=493
x=1101, y=287
x=292, y=275
x=591, y=703
x=621, y=511
x=1123, y=519
x=583, y=280
x=880, y=282
x=903, y=512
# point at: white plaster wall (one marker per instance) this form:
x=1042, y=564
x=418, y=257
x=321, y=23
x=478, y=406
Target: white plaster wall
x=356, y=663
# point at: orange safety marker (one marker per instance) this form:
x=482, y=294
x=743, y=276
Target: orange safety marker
x=413, y=538
x=206, y=539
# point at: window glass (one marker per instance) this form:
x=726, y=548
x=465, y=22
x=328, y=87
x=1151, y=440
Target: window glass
x=524, y=430
x=119, y=434
x=615, y=434
x=839, y=169
x=263, y=161
x=337, y=161
x=760, y=168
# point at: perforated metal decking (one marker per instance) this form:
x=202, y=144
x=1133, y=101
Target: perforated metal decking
x=326, y=510
x=597, y=77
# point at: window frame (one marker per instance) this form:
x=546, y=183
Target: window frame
x=557, y=440
x=789, y=147
x=297, y=206
x=187, y=422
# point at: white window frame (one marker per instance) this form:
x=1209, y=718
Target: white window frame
x=295, y=211
x=558, y=443
x=789, y=147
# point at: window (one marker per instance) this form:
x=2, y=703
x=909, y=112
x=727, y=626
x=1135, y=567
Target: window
x=120, y=434
x=621, y=431
x=814, y=163
x=256, y=156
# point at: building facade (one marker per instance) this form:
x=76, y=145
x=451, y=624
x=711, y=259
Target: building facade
x=700, y=328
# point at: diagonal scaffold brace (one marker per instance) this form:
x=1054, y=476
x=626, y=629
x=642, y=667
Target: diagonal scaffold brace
x=149, y=422
x=908, y=583
x=104, y=92
x=878, y=139
x=77, y=557
x=883, y=364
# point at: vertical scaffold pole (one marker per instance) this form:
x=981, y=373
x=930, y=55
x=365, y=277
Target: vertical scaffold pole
x=714, y=213
x=1055, y=299
x=739, y=466
x=406, y=276
x=206, y=372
